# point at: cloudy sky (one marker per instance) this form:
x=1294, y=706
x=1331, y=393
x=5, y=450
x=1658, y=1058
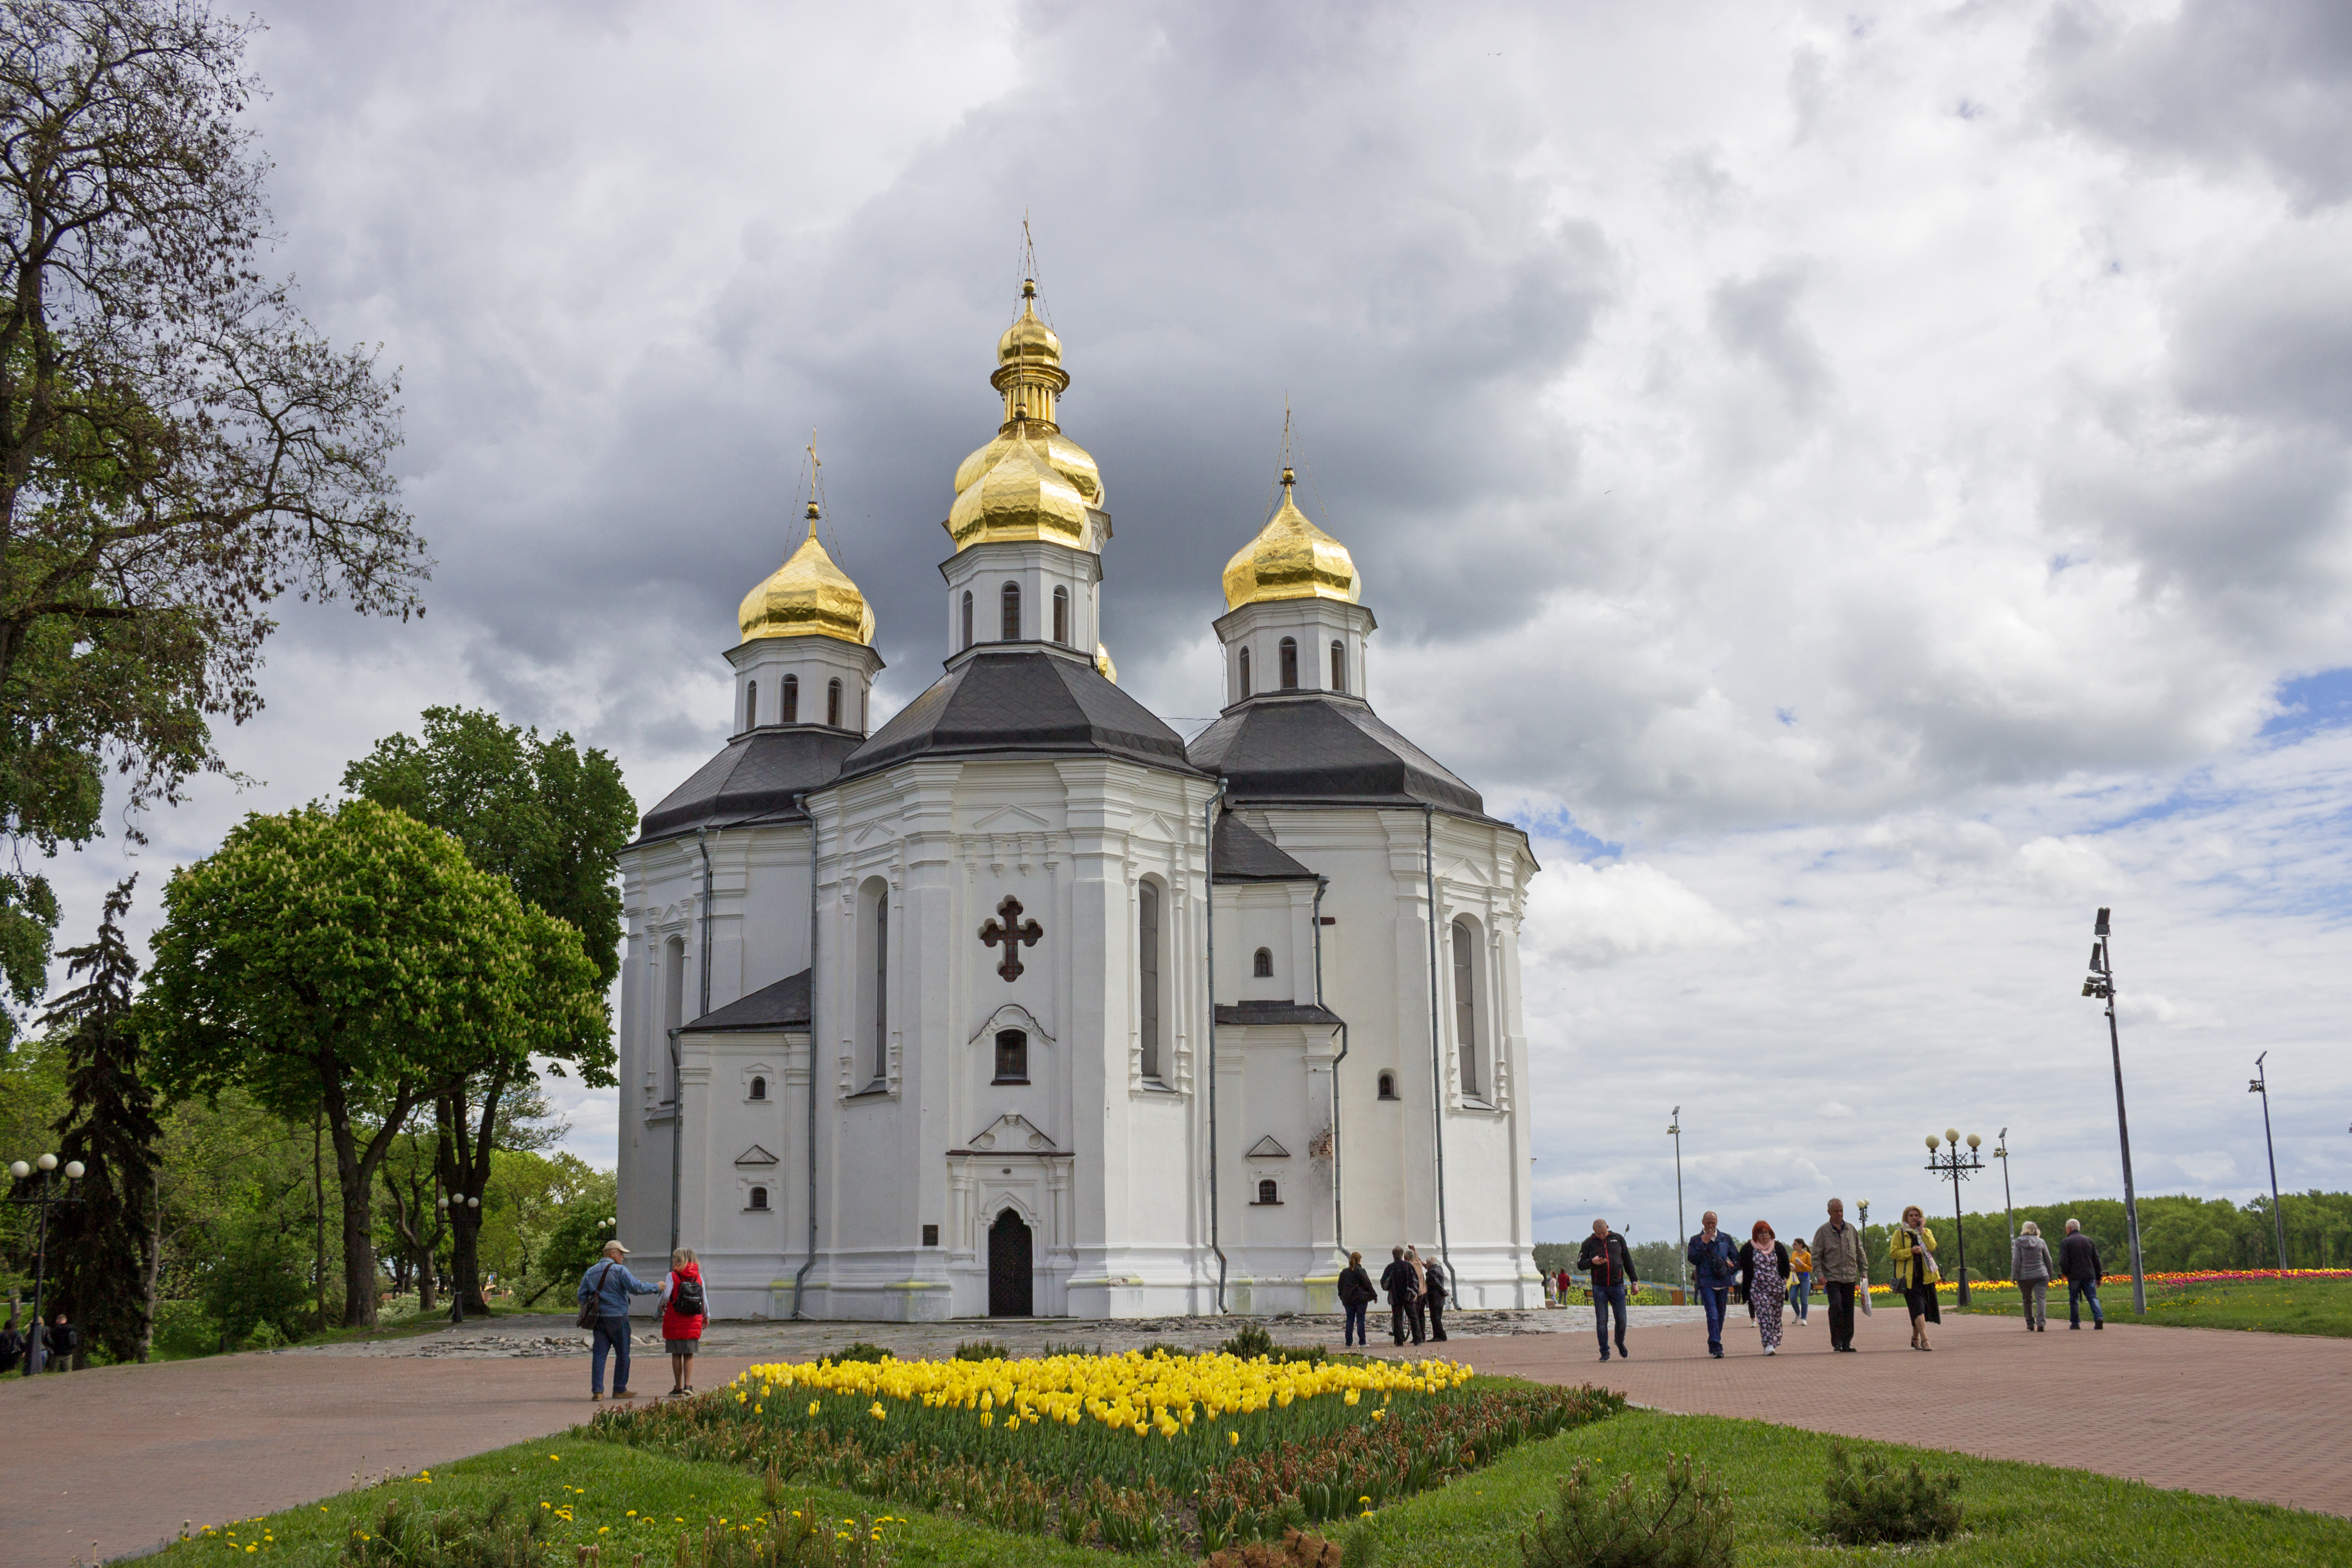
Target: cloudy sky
x=1865, y=484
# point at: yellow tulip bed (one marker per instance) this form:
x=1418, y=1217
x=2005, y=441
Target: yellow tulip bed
x=1130, y=1451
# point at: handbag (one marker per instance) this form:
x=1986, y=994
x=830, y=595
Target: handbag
x=588, y=1313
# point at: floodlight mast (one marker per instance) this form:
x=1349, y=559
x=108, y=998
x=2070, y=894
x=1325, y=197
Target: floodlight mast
x=2261, y=1086
x=2101, y=983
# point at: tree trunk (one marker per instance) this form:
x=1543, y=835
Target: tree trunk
x=355, y=1168
x=154, y=1266
x=319, y=1213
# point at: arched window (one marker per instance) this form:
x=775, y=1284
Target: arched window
x=673, y=994
x=751, y=705
x=1009, y=628
x=759, y=1197
x=966, y=617
x=1339, y=667
x=1062, y=616
x=874, y=976
x=1388, y=1086
x=1289, y=664
x=1267, y=1192
x=759, y=1089
x=1262, y=965
x=1012, y=1056
x=1465, y=1003
x=1246, y=690
x=832, y=702
x=1147, y=941
x=792, y=713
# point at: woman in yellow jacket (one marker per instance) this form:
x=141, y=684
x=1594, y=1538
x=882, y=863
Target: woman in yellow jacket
x=1914, y=1254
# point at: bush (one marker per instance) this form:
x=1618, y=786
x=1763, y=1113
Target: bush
x=861, y=1351
x=1687, y=1524
x=261, y=1278
x=979, y=1350
x=1870, y=1503
x=1253, y=1341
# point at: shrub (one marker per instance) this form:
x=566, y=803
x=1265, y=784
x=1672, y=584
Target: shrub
x=1869, y=1503
x=1253, y=1341
x=1685, y=1524
x=861, y=1351
x=1297, y=1549
x=979, y=1350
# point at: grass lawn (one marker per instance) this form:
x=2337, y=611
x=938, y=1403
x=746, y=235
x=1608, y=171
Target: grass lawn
x=2021, y=1515
x=2294, y=1307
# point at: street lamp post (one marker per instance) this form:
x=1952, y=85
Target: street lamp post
x=1956, y=1168
x=46, y=1199
x=2262, y=1085
x=2101, y=983
x=2007, y=1205
x=1682, y=1266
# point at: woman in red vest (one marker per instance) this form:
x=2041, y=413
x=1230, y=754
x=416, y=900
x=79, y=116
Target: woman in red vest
x=684, y=1310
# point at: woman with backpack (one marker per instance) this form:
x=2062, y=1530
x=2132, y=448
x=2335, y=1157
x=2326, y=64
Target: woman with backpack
x=684, y=1311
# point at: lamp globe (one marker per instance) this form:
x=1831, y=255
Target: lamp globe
x=1975, y=1141
x=73, y=1169
x=1932, y=1141
x=46, y=1162
x=20, y=1170
x=1952, y=1136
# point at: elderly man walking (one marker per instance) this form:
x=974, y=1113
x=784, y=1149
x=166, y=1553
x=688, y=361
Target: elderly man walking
x=1610, y=1267
x=2078, y=1259
x=609, y=1285
x=1714, y=1262
x=1844, y=1264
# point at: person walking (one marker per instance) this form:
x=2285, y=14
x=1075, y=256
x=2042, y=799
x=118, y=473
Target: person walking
x=64, y=1339
x=1606, y=1262
x=1403, y=1286
x=1714, y=1265
x=1843, y=1263
x=1763, y=1282
x=12, y=1348
x=1801, y=1278
x=1432, y=1285
x=1913, y=1252
x=2030, y=1266
x=2078, y=1259
x=1566, y=1285
x=608, y=1284
x=1356, y=1295
x=685, y=1309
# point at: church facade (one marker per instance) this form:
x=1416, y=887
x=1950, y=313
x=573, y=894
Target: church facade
x=1022, y=1006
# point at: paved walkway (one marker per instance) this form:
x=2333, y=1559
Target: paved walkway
x=111, y=1462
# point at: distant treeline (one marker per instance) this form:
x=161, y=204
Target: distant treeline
x=2179, y=1234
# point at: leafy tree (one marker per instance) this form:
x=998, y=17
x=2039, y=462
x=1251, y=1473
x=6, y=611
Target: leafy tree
x=104, y=1245
x=354, y=960
x=178, y=449
x=549, y=818
x=581, y=1226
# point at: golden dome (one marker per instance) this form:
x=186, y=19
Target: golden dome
x=808, y=595
x=1063, y=455
x=1021, y=496
x=1291, y=559
x=1031, y=481
x=1029, y=340
x=1104, y=667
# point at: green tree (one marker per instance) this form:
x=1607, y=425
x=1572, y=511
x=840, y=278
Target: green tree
x=178, y=449
x=354, y=960
x=548, y=817
x=104, y=1243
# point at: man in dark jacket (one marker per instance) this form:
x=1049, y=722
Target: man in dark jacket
x=1433, y=1279
x=2078, y=1259
x=1356, y=1294
x=64, y=1339
x=1404, y=1296
x=1712, y=1262
x=12, y=1348
x=1610, y=1267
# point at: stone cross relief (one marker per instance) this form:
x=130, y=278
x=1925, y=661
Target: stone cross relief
x=1009, y=930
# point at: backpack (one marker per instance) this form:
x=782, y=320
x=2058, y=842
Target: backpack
x=687, y=1300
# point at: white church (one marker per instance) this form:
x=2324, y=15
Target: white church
x=1020, y=1005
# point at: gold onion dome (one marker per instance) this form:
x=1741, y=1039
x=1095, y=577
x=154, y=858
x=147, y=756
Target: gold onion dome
x=1291, y=559
x=808, y=595
x=1103, y=665
x=1030, y=481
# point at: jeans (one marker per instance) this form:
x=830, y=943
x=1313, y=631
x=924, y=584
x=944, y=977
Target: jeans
x=1437, y=1317
x=1800, y=1294
x=1716, y=1300
x=2037, y=1301
x=1604, y=1298
x=1353, y=1333
x=612, y=1334
x=1840, y=1312
x=2076, y=1291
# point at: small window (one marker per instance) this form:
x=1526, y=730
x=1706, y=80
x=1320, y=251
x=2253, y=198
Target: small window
x=792, y=713
x=1009, y=618
x=751, y=705
x=1245, y=685
x=759, y=1197
x=1012, y=1056
x=930, y=1236
x=1147, y=941
x=1262, y=966
x=1388, y=1086
x=1268, y=1193
x=966, y=617
x=1062, y=616
x=1289, y=663
x=833, y=703
x=1339, y=667
x=759, y=1089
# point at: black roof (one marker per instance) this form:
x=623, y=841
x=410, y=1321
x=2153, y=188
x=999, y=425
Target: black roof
x=1316, y=748
x=782, y=1005
x=1276, y=1013
x=1242, y=854
x=1029, y=703
x=753, y=780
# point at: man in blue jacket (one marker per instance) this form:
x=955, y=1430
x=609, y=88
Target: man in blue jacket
x=609, y=1284
x=1714, y=1262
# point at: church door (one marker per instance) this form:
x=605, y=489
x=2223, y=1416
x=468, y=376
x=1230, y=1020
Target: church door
x=1010, y=1281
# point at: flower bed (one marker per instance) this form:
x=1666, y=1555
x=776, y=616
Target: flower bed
x=2202, y=1277
x=1131, y=1451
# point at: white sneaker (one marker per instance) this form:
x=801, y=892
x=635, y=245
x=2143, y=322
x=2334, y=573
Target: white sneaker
x=1771, y=1350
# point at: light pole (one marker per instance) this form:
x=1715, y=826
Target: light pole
x=45, y=1200
x=1956, y=1168
x=2261, y=1086
x=1682, y=1266
x=2101, y=983
x=2007, y=1205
